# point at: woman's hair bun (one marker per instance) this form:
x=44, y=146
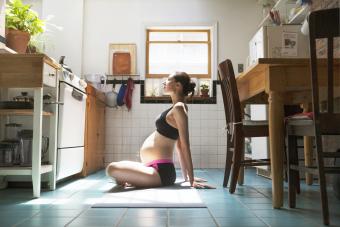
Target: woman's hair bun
x=184, y=79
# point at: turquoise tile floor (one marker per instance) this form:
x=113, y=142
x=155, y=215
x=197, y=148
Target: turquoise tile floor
x=70, y=205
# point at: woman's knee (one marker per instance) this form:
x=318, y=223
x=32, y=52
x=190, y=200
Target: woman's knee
x=111, y=169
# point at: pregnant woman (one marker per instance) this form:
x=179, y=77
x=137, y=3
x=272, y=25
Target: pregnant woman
x=157, y=166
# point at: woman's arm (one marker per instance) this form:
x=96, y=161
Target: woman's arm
x=183, y=148
x=181, y=162
x=181, y=117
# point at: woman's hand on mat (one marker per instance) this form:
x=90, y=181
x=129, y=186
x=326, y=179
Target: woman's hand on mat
x=199, y=185
x=197, y=179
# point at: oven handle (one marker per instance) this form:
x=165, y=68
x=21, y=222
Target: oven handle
x=77, y=95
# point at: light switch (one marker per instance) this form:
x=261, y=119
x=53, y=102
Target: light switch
x=240, y=68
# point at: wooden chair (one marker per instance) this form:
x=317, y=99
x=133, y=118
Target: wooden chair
x=322, y=24
x=237, y=128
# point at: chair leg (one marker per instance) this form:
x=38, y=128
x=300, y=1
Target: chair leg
x=240, y=179
x=297, y=182
x=227, y=168
x=292, y=176
x=322, y=181
x=236, y=163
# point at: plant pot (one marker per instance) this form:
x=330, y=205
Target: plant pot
x=17, y=40
x=204, y=93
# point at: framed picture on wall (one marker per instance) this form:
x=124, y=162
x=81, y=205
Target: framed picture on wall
x=122, y=59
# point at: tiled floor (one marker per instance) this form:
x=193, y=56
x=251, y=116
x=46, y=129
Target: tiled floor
x=71, y=203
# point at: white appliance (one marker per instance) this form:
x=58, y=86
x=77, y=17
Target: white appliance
x=259, y=145
x=71, y=125
x=284, y=41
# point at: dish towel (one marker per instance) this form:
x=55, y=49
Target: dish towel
x=128, y=93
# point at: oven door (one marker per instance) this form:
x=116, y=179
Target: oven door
x=71, y=126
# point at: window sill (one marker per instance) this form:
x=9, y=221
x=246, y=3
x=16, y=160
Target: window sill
x=167, y=99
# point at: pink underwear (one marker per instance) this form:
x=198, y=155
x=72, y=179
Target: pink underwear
x=154, y=163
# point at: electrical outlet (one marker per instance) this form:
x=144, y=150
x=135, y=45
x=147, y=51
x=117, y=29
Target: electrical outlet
x=240, y=68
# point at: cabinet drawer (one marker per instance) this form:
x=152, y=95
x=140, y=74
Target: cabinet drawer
x=50, y=75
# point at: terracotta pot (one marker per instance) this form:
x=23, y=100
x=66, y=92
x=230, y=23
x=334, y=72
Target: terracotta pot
x=204, y=93
x=17, y=40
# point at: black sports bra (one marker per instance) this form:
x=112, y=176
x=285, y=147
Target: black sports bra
x=164, y=128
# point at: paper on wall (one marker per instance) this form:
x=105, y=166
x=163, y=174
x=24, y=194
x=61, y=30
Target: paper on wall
x=289, y=44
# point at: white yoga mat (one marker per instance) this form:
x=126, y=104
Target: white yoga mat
x=163, y=197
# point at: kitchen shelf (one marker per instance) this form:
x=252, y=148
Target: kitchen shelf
x=281, y=6
x=37, y=72
x=20, y=170
x=22, y=112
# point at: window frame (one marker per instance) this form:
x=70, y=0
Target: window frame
x=208, y=42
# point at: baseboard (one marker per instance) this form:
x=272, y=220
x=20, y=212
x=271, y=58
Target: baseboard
x=263, y=173
x=25, y=184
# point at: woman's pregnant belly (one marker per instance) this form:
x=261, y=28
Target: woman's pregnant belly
x=156, y=146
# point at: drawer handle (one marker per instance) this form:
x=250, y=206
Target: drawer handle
x=51, y=74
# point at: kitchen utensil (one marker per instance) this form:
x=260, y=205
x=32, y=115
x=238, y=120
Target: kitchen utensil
x=121, y=63
x=24, y=97
x=12, y=131
x=26, y=156
x=111, y=96
x=96, y=81
x=61, y=62
x=10, y=151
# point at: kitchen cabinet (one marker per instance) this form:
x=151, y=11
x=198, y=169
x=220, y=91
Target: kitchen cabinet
x=94, y=131
x=37, y=72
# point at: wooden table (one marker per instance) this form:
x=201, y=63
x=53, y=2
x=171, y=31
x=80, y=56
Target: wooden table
x=277, y=82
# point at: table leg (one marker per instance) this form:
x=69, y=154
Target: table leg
x=240, y=179
x=308, y=150
x=276, y=144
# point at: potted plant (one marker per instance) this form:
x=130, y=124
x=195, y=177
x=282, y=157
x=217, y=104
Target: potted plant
x=21, y=23
x=204, y=90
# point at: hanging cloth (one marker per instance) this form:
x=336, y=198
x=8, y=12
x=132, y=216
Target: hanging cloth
x=128, y=93
x=121, y=95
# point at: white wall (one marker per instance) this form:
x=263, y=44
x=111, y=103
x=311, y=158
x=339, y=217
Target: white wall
x=68, y=41
x=2, y=17
x=124, y=21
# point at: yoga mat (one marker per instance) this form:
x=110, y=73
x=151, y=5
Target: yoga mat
x=175, y=196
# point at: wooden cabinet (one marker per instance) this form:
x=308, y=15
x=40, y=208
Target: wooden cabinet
x=94, y=131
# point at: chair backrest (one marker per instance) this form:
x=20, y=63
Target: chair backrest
x=324, y=24
x=231, y=100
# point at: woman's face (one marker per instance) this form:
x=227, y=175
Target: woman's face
x=169, y=84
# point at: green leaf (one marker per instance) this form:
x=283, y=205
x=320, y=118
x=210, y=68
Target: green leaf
x=23, y=18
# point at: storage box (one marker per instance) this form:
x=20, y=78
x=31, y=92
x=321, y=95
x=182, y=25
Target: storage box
x=284, y=41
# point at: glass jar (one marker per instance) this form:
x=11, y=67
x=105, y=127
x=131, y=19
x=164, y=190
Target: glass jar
x=12, y=131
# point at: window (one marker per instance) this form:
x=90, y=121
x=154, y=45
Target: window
x=170, y=50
